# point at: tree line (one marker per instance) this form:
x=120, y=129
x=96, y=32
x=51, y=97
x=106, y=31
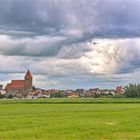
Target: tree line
x=132, y=90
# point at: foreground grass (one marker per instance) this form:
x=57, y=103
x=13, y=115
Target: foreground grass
x=69, y=121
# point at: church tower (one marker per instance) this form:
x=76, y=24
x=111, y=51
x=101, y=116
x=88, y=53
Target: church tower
x=28, y=81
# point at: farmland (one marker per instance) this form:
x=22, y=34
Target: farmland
x=71, y=119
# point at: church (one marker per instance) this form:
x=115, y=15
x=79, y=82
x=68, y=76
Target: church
x=20, y=86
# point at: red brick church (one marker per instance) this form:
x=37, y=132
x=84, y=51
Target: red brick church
x=20, y=86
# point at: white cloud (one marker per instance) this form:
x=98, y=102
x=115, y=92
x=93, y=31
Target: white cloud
x=109, y=57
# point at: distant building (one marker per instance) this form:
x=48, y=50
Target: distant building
x=119, y=89
x=73, y=95
x=38, y=93
x=20, y=86
x=95, y=91
x=79, y=90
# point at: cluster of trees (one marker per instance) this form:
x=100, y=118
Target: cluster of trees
x=57, y=95
x=132, y=90
x=6, y=96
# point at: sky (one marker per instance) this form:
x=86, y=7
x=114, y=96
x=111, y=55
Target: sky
x=69, y=44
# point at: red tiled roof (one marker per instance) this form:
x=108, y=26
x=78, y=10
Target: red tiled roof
x=17, y=84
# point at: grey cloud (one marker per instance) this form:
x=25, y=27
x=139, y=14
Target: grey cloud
x=93, y=18
x=37, y=46
x=77, y=22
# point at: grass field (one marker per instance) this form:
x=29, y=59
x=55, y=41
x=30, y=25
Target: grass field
x=70, y=101
x=64, y=121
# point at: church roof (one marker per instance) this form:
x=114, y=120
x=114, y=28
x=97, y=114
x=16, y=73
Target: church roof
x=17, y=84
x=28, y=74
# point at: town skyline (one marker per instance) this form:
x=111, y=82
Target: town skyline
x=19, y=83
x=70, y=44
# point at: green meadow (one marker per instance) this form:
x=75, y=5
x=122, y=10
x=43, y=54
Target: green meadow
x=70, y=119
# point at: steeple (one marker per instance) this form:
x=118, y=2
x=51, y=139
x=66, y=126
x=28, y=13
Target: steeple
x=28, y=81
x=28, y=75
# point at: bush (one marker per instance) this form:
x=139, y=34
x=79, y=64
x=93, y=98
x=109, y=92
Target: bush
x=118, y=96
x=2, y=95
x=97, y=96
x=10, y=96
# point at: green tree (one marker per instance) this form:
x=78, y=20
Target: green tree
x=132, y=90
x=57, y=95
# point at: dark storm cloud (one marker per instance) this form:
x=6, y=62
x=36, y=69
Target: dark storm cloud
x=76, y=21
x=96, y=18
